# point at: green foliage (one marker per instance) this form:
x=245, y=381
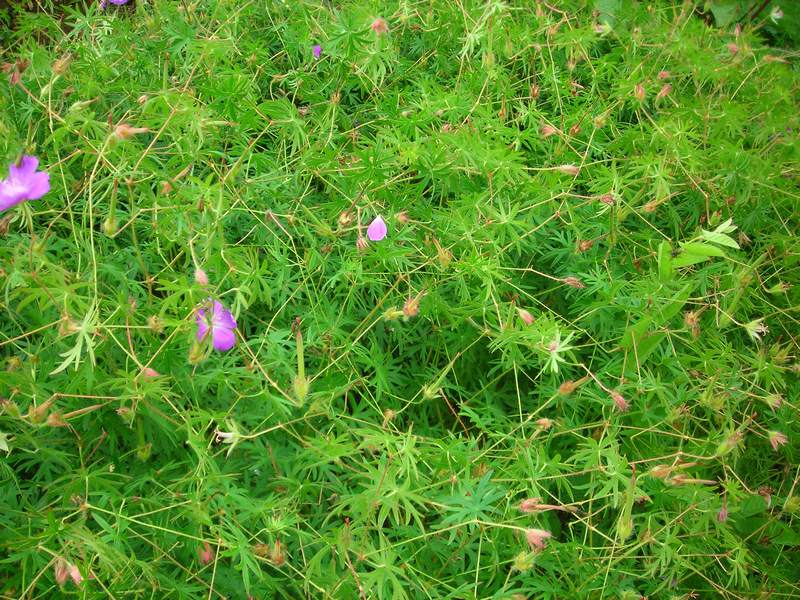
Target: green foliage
x=588, y=296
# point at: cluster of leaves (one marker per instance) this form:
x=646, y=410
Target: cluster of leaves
x=587, y=295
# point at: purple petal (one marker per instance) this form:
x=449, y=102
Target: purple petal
x=38, y=185
x=10, y=195
x=223, y=339
x=202, y=325
x=26, y=168
x=223, y=317
x=377, y=229
x=317, y=51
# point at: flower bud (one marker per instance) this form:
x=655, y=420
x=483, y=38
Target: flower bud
x=123, y=131
x=620, y=402
x=639, y=92
x=200, y=277
x=526, y=317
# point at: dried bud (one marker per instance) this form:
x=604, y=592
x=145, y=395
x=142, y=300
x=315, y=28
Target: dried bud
x=568, y=169
x=200, y=277
x=692, y=320
x=388, y=416
x=261, y=550
x=37, y=414
x=411, y=306
x=155, y=324
x=123, y=131
x=620, y=402
x=166, y=188
x=584, y=245
x=62, y=64
x=535, y=91
x=639, y=92
x=575, y=129
x=142, y=99
x=574, y=282
x=544, y=423
x=361, y=243
x=566, y=388
x=276, y=555
x=607, y=199
x=345, y=218
x=54, y=419
x=380, y=26
x=733, y=49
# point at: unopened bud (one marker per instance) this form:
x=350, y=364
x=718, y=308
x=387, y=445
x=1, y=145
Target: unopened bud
x=573, y=282
x=548, y=130
x=620, y=402
x=545, y=423
x=526, y=317
x=639, y=92
x=123, y=131
x=62, y=64
x=664, y=91
x=411, y=306
x=566, y=388
x=663, y=75
x=200, y=277
x=361, y=243
x=345, y=218
x=568, y=169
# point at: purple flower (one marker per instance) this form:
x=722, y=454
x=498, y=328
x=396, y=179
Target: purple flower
x=23, y=183
x=223, y=327
x=317, y=51
x=103, y=3
x=377, y=229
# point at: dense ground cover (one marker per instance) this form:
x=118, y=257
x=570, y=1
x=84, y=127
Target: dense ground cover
x=567, y=369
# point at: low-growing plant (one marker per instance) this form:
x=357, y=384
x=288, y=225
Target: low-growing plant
x=399, y=300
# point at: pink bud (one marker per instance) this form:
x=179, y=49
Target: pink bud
x=61, y=571
x=639, y=92
x=663, y=75
x=573, y=282
x=722, y=515
x=206, y=554
x=568, y=169
x=200, y=277
x=75, y=574
x=664, y=91
x=526, y=317
x=361, y=243
x=733, y=48
x=149, y=372
x=530, y=505
x=548, y=130
x=380, y=26
x=620, y=402
x=536, y=538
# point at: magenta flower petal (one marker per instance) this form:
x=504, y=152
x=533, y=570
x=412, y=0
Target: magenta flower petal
x=377, y=229
x=317, y=51
x=222, y=327
x=202, y=325
x=223, y=339
x=23, y=183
